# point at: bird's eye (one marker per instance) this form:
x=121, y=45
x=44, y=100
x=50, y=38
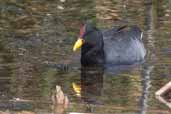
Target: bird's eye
x=87, y=33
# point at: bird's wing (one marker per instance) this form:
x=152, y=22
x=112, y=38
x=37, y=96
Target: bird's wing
x=107, y=34
x=123, y=32
x=119, y=28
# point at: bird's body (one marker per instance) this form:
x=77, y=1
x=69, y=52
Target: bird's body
x=123, y=46
x=118, y=46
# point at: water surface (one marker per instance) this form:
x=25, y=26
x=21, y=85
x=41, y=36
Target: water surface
x=36, y=39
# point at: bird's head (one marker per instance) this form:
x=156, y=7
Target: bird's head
x=89, y=34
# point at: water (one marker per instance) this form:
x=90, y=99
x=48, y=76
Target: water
x=36, y=39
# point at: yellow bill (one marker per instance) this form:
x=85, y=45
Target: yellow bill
x=78, y=44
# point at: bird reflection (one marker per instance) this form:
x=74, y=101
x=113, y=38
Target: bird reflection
x=91, y=83
x=91, y=86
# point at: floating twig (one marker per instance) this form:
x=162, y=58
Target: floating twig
x=161, y=94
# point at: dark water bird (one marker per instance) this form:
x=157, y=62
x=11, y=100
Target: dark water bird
x=118, y=46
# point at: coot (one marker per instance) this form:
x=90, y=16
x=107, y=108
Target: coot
x=118, y=45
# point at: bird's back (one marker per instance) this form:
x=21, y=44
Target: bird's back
x=123, y=45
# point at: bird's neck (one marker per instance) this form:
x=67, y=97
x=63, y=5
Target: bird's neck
x=91, y=55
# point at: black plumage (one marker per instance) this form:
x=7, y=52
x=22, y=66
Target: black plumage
x=118, y=45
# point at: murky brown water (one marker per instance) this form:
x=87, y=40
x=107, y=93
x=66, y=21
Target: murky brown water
x=36, y=38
